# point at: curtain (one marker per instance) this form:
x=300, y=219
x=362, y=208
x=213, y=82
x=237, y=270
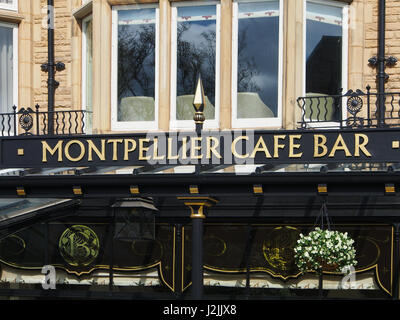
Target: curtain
x=6, y=69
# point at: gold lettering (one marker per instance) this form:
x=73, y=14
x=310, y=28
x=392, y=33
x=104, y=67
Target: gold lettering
x=92, y=147
x=211, y=148
x=361, y=146
x=194, y=148
x=170, y=155
x=115, y=147
x=260, y=146
x=81, y=155
x=155, y=151
x=293, y=146
x=128, y=149
x=278, y=146
x=233, y=147
x=46, y=147
x=339, y=145
x=320, y=142
x=142, y=149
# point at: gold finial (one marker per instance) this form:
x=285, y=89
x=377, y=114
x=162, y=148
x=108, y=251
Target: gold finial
x=199, y=100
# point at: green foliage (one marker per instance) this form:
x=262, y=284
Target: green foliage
x=320, y=248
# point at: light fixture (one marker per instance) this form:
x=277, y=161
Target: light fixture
x=390, y=189
x=135, y=219
x=257, y=188
x=134, y=189
x=77, y=190
x=21, y=191
x=322, y=189
x=193, y=189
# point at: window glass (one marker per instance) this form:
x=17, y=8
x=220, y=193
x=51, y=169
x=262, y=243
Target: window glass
x=323, y=49
x=6, y=69
x=196, y=54
x=136, y=64
x=258, y=59
x=8, y=4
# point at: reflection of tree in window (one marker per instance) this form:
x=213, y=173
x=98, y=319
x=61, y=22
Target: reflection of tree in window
x=258, y=64
x=194, y=56
x=136, y=60
x=247, y=67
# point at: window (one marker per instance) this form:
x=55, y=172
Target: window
x=195, y=50
x=8, y=67
x=87, y=71
x=135, y=67
x=9, y=4
x=326, y=54
x=257, y=64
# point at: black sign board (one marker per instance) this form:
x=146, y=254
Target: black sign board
x=212, y=147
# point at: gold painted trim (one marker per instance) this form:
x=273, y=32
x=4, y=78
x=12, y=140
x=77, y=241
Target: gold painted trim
x=375, y=266
x=199, y=214
x=198, y=198
x=107, y=267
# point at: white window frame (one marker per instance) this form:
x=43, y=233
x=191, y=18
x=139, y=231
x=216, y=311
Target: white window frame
x=13, y=6
x=189, y=124
x=345, y=45
x=15, y=61
x=255, y=122
x=84, y=60
x=132, y=125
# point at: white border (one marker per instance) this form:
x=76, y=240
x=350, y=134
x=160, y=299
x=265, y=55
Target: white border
x=255, y=122
x=13, y=6
x=345, y=32
x=15, y=62
x=189, y=124
x=84, y=75
x=131, y=125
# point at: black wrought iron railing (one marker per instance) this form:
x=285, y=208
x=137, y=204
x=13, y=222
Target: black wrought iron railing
x=35, y=122
x=354, y=109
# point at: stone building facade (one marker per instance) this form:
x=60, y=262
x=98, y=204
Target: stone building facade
x=30, y=18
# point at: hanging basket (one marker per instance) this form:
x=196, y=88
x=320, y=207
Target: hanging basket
x=324, y=250
x=329, y=267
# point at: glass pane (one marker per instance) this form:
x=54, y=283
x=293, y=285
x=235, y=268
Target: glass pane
x=323, y=49
x=6, y=1
x=89, y=74
x=6, y=69
x=196, y=53
x=136, y=65
x=258, y=60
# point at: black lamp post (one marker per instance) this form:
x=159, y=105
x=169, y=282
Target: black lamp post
x=199, y=118
x=381, y=62
x=50, y=67
x=197, y=215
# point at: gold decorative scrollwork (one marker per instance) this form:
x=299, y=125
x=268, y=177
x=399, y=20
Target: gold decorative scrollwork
x=79, y=245
x=278, y=247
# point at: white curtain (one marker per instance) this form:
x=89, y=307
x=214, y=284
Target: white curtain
x=6, y=69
